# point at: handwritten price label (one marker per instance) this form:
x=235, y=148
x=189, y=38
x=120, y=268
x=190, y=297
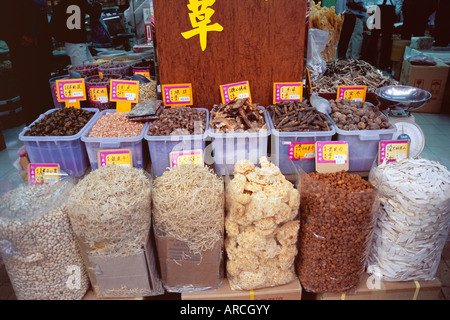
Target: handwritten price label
x=118, y=157
x=98, y=94
x=393, y=150
x=233, y=91
x=287, y=91
x=302, y=151
x=71, y=91
x=43, y=173
x=357, y=93
x=331, y=156
x=177, y=94
x=178, y=158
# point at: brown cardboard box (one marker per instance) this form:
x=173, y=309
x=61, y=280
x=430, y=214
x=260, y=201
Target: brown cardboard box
x=182, y=270
x=136, y=273
x=430, y=78
x=290, y=291
x=398, y=49
x=370, y=289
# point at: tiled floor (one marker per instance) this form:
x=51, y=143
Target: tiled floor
x=436, y=128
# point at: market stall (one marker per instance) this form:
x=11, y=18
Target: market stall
x=228, y=169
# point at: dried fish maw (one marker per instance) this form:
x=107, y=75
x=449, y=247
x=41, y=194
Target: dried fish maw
x=243, y=167
x=287, y=234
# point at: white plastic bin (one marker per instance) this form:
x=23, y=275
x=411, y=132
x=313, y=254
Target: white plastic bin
x=160, y=147
x=228, y=148
x=68, y=151
x=363, y=145
x=280, y=145
x=135, y=144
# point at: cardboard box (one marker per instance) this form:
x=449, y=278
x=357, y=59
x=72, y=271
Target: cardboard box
x=290, y=291
x=131, y=276
x=430, y=78
x=370, y=289
x=181, y=270
x=398, y=49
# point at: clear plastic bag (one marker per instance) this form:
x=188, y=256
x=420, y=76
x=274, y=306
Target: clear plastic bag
x=317, y=41
x=38, y=245
x=337, y=218
x=413, y=219
x=262, y=226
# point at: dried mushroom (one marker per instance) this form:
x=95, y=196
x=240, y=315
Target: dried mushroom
x=237, y=116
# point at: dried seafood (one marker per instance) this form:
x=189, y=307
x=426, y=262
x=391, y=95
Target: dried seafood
x=413, y=220
x=262, y=226
x=349, y=72
x=297, y=116
x=237, y=116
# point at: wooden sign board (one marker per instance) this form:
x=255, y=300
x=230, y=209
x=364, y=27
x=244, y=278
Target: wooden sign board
x=261, y=41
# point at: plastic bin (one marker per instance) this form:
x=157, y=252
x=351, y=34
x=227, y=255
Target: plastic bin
x=160, y=147
x=94, y=144
x=363, y=145
x=121, y=68
x=95, y=85
x=54, y=91
x=228, y=148
x=68, y=151
x=280, y=145
x=85, y=70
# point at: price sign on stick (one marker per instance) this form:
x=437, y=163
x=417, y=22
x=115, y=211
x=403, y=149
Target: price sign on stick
x=124, y=93
x=302, y=151
x=118, y=157
x=357, y=93
x=287, y=91
x=177, y=94
x=71, y=92
x=233, y=91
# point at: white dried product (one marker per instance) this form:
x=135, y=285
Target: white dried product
x=188, y=204
x=38, y=246
x=413, y=221
x=110, y=210
x=261, y=226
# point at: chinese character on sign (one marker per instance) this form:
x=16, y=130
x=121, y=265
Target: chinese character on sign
x=200, y=18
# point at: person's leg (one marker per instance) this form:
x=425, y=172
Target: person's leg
x=346, y=33
x=355, y=45
x=78, y=53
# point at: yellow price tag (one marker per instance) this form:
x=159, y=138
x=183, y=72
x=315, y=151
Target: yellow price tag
x=287, y=91
x=43, y=173
x=118, y=157
x=357, y=93
x=302, y=151
x=98, y=94
x=178, y=158
x=177, y=94
x=393, y=150
x=143, y=73
x=233, y=91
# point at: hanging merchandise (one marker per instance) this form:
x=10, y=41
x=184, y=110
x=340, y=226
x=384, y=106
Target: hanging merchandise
x=261, y=226
x=38, y=246
x=413, y=220
x=110, y=211
x=188, y=208
x=337, y=218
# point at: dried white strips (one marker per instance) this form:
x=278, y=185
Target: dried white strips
x=188, y=203
x=413, y=221
x=262, y=226
x=110, y=210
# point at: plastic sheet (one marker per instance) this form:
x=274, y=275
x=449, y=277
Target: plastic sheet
x=38, y=245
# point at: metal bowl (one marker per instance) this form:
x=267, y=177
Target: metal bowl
x=402, y=98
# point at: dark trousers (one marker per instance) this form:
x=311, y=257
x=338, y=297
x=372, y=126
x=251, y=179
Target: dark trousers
x=346, y=33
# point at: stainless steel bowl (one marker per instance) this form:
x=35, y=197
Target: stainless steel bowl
x=402, y=98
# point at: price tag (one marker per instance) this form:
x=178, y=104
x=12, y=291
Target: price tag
x=98, y=94
x=302, y=151
x=177, y=94
x=331, y=156
x=71, y=91
x=124, y=92
x=393, y=150
x=357, y=93
x=118, y=157
x=233, y=91
x=178, y=158
x=43, y=173
x=287, y=91
x=144, y=72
